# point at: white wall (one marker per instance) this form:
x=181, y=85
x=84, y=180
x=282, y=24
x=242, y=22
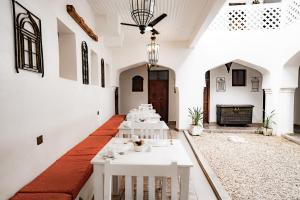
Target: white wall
x=297, y=103
x=129, y=99
x=265, y=51
x=236, y=95
x=63, y=111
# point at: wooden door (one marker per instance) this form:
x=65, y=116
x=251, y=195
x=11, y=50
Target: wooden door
x=206, y=97
x=158, y=92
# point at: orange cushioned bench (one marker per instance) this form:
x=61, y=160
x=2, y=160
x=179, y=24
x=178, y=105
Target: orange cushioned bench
x=110, y=127
x=113, y=123
x=64, y=179
x=42, y=196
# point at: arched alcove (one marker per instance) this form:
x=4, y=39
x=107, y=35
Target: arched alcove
x=234, y=84
x=130, y=99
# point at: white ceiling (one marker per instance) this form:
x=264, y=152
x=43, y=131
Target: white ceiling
x=179, y=26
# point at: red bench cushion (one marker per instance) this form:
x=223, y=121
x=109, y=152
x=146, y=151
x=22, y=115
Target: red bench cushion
x=113, y=123
x=41, y=196
x=90, y=146
x=77, y=158
x=64, y=176
x=108, y=132
x=119, y=117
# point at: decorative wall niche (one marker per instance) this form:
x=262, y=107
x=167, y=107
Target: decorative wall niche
x=102, y=73
x=28, y=40
x=137, y=84
x=67, y=52
x=85, y=63
x=221, y=84
x=94, y=69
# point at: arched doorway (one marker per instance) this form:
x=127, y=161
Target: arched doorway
x=158, y=88
x=233, y=84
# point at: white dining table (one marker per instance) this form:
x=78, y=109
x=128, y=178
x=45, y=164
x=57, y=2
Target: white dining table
x=163, y=152
x=126, y=127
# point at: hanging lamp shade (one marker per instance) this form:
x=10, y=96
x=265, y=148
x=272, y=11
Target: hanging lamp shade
x=153, y=52
x=142, y=12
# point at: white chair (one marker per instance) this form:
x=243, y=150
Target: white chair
x=147, y=130
x=141, y=171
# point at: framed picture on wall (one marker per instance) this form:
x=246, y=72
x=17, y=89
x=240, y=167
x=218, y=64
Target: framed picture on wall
x=221, y=84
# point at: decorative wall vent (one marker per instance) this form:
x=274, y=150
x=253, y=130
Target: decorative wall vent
x=137, y=84
x=28, y=40
x=102, y=73
x=85, y=63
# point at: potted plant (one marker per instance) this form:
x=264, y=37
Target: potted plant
x=197, y=115
x=267, y=125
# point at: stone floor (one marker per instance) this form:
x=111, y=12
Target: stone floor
x=252, y=166
x=214, y=128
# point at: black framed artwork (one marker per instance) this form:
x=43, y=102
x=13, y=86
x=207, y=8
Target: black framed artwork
x=85, y=63
x=102, y=73
x=137, y=84
x=28, y=40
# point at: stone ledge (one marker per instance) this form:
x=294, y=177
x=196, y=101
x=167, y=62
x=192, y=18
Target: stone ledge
x=293, y=137
x=213, y=180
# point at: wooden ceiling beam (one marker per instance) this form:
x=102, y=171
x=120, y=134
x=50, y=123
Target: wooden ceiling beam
x=79, y=20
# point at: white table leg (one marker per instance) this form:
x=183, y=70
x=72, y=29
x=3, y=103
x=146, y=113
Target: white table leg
x=184, y=183
x=98, y=182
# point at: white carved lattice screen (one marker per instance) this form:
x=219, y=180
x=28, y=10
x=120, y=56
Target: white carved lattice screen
x=257, y=17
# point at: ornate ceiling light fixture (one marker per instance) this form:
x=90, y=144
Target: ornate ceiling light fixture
x=153, y=52
x=142, y=12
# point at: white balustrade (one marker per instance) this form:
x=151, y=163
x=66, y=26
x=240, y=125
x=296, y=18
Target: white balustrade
x=269, y=16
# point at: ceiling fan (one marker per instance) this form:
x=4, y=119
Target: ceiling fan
x=149, y=27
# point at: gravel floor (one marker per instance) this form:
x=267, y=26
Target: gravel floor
x=252, y=166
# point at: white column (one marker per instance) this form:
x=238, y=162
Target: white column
x=272, y=104
x=285, y=108
x=189, y=97
x=269, y=104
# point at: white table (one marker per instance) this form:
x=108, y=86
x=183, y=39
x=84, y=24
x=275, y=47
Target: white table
x=125, y=128
x=146, y=115
x=161, y=155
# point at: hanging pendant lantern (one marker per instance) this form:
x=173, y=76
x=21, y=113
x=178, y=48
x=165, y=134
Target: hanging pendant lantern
x=153, y=52
x=142, y=12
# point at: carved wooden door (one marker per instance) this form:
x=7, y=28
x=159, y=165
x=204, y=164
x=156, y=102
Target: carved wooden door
x=159, y=92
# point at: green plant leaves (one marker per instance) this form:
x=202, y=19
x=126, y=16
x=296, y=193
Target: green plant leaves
x=196, y=114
